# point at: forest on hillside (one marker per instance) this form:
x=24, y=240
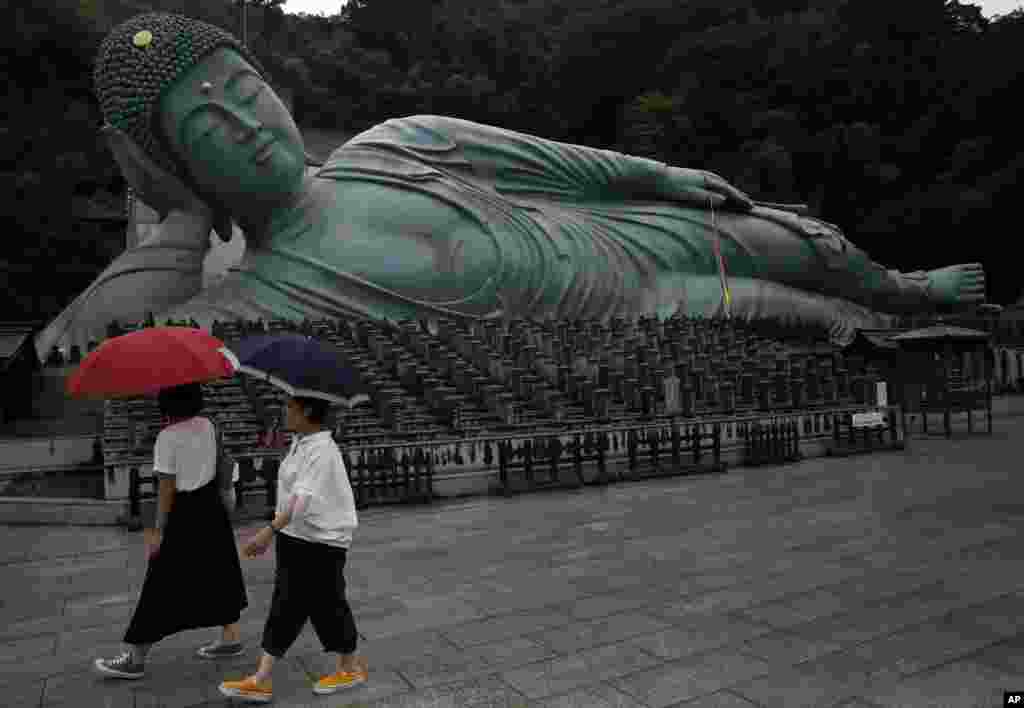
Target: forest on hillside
x=891, y=119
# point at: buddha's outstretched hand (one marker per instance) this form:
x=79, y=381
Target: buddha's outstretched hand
x=701, y=189
x=153, y=184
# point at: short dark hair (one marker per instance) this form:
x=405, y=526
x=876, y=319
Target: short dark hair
x=317, y=408
x=183, y=401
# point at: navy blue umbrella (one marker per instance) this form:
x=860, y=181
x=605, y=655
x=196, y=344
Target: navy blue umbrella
x=300, y=366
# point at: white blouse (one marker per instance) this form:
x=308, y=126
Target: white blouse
x=314, y=468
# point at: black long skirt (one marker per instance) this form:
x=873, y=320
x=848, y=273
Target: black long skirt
x=195, y=580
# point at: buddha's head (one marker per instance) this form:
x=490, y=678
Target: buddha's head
x=197, y=102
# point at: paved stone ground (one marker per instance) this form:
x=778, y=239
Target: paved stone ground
x=892, y=580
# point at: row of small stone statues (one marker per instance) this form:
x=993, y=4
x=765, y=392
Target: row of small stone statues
x=678, y=365
x=236, y=329
x=57, y=357
x=588, y=366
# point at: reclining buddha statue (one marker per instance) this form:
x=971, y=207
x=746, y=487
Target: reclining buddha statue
x=429, y=217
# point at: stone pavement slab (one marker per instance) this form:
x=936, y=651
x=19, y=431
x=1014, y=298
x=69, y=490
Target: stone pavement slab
x=866, y=582
x=597, y=696
x=960, y=685
x=667, y=684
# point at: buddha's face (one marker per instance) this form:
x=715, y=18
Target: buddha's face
x=233, y=132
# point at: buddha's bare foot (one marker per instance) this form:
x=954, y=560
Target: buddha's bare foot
x=962, y=284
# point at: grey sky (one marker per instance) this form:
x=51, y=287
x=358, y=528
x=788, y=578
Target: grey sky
x=331, y=7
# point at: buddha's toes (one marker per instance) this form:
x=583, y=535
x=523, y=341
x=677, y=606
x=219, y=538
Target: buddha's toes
x=962, y=284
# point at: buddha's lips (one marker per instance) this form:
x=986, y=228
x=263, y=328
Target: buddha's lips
x=263, y=154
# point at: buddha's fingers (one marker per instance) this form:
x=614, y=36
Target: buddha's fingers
x=733, y=196
x=701, y=198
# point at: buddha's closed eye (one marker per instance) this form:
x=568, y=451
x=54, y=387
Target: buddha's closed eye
x=207, y=129
x=249, y=88
x=253, y=95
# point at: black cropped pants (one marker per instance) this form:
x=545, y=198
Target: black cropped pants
x=309, y=584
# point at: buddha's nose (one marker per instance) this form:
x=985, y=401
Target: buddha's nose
x=247, y=128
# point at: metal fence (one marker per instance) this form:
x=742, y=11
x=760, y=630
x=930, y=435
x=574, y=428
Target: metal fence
x=405, y=472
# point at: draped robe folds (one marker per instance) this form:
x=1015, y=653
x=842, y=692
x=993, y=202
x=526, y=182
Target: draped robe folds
x=557, y=230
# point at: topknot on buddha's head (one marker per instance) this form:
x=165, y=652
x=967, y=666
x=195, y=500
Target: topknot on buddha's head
x=140, y=59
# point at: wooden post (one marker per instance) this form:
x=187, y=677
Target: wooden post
x=988, y=396
x=503, y=466
x=947, y=418
x=716, y=449
x=134, y=495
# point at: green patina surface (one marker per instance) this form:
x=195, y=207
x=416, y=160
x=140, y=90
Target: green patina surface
x=431, y=215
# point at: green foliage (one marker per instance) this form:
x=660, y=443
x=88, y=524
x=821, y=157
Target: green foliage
x=889, y=118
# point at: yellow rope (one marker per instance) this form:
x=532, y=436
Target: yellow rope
x=726, y=296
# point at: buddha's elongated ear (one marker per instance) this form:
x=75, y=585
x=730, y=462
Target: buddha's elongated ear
x=154, y=185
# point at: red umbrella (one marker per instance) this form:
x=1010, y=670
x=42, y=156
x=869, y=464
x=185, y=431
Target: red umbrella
x=143, y=362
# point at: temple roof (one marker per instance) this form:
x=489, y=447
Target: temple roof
x=13, y=337
x=10, y=344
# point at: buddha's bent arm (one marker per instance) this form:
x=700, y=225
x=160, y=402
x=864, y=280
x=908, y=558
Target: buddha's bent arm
x=525, y=165
x=164, y=270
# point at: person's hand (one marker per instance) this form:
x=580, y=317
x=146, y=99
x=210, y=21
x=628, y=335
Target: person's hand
x=152, y=538
x=258, y=544
x=702, y=188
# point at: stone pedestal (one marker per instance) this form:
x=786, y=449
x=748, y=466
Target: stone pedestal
x=747, y=389
x=728, y=397
x=602, y=398
x=630, y=393
x=764, y=394
x=842, y=383
x=671, y=387
x=711, y=392
x=796, y=387
x=828, y=391
x=116, y=483
x=648, y=401
x=688, y=399
x=813, y=387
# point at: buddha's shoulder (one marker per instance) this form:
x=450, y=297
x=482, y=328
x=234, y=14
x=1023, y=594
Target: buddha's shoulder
x=421, y=131
x=424, y=133
x=406, y=148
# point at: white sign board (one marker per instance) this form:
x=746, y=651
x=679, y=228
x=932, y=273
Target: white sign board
x=871, y=419
x=883, y=399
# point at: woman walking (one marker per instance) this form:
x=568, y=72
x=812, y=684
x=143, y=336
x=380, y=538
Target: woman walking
x=192, y=537
x=313, y=525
